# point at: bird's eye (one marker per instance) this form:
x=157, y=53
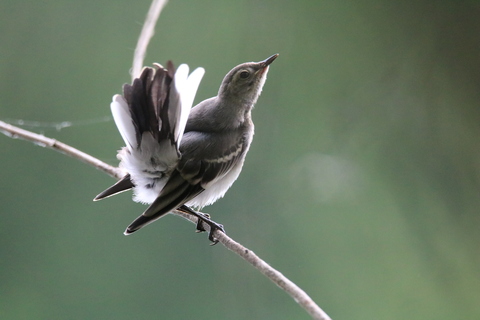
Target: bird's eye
x=244, y=74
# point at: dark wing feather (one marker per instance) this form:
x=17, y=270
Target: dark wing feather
x=122, y=185
x=176, y=192
x=147, y=100
x=214, y=160
x=188, y=181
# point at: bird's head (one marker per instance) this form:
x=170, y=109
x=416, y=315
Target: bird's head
x=245, y=82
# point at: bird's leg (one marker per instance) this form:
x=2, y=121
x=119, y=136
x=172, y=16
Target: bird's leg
x=200, y=227
x=203, y=217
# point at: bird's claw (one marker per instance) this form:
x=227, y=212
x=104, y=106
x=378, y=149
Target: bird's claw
x=213, y=226
x=204, y=218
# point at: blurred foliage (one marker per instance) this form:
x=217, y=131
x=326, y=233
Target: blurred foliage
x=362, y=184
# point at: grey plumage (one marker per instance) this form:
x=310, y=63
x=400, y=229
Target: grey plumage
x=171, y=161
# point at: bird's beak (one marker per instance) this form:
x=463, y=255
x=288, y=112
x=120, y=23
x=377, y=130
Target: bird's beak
x=269, y=60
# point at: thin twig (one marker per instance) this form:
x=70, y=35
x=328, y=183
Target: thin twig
x=275, y=276
x=42, y=141
x=300, y=296
x=145, y=35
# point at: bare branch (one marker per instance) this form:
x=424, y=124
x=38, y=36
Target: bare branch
x=275, y=276
x=146, y=34
x=42, y=141
x=300, y=296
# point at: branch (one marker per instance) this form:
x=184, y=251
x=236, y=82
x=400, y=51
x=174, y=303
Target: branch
x=275, y=276
x=300, y=296
x=145, y=35
x=42, y=141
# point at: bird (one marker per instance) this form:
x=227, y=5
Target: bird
x=177, y=157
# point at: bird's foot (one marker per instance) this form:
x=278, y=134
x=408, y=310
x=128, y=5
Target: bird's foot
x=213, y=226
x=200, y=221
x=204, y=218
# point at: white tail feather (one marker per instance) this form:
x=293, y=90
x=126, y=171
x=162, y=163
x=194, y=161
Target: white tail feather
x=179, y=83
x=187, y=94
x=182, y=95
x=186, y=87
x=123, y=120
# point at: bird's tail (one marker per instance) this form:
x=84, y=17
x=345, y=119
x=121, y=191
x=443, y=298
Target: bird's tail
x=151, y=116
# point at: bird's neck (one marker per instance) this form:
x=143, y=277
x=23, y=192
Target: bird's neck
x=218, y=114
x=236, y=109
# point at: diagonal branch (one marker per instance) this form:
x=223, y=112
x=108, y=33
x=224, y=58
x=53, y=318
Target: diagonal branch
x=275, y=276
x=300, y=296
x=145, y=35
x=42, y=141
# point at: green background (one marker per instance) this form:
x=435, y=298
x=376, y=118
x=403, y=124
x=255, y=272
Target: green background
x=362, y=183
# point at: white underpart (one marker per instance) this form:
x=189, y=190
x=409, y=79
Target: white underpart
x=138, y=161
x=218, y=189
x=262, y=81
